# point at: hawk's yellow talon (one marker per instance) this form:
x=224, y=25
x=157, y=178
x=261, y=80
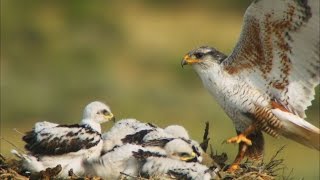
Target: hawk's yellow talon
x=240, y=138
x=233, y=168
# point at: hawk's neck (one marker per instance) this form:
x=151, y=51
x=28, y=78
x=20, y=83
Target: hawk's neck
x=94, y=125
x=214, y=77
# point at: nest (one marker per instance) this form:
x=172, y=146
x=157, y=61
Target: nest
x=274, y=169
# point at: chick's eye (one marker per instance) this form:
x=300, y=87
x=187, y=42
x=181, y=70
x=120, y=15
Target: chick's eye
x=198, y=55
x=105, y=112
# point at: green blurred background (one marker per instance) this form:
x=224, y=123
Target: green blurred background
x=56, y=56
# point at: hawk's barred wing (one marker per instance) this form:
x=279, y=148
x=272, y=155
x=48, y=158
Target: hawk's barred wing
x=60, y=139
x=278, y=51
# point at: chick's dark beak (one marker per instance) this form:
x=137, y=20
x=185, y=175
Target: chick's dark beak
x=113, y=119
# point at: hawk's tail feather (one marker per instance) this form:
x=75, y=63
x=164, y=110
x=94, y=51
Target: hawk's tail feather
x=29, y=162
x=23, y=157
x=16, y=153
x=298, y=129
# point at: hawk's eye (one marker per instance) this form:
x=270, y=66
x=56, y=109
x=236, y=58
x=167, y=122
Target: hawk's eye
x=198, y=55
x=104, y=112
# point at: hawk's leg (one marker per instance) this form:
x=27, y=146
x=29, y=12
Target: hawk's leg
x=242, y=137
x=241, y=153
x=253, y=152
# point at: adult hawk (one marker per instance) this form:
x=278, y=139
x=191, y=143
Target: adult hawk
x=268, y=81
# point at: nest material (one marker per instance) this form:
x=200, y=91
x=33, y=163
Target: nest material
x=12, y=169
x=249, y=170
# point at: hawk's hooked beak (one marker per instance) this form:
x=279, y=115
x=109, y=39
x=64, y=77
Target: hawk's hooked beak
x=187, y=60
x=109, y=117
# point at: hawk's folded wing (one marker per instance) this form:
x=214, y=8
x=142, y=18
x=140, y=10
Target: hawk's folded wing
x=53, y=139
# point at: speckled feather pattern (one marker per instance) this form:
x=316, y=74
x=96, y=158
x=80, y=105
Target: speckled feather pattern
x=274, y=65
x=278, y=51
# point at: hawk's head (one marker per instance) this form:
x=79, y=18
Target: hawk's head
x=203, y=56
x=98, y=112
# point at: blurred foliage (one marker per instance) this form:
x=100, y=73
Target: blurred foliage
x=56, y=56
